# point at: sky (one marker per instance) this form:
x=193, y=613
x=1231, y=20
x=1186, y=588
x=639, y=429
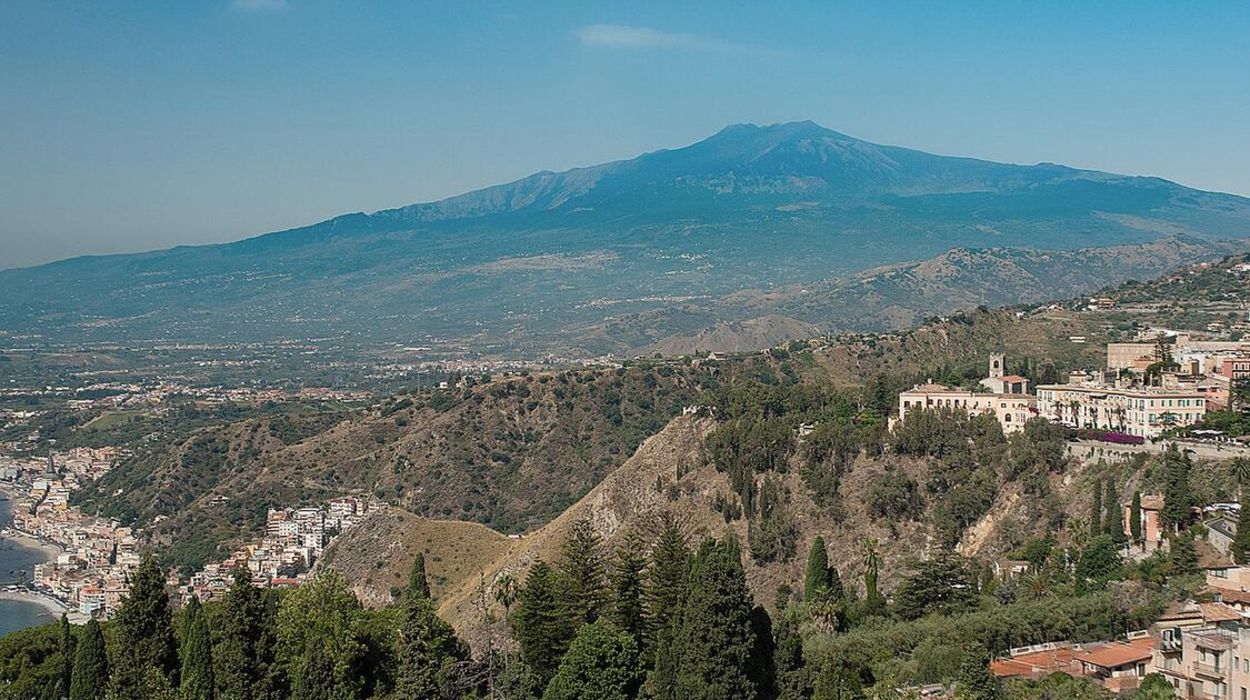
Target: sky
x=128, y=126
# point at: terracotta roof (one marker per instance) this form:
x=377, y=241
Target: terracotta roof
x=1116, y=654
x=1232, y=595
x=1034, y=664
x=1152, y=502
x=1218, y=612
x=1014, y=378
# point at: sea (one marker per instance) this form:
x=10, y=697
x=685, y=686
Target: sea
x=15, y=558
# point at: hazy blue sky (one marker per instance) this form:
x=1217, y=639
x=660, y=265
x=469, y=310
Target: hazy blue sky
x=137, y=125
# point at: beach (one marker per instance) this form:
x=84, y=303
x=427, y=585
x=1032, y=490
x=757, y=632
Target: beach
x=19, y=552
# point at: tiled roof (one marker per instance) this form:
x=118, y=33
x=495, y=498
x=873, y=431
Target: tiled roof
x=1116, y=654
x=1218, y=612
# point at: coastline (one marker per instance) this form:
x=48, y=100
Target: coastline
x=47, y=602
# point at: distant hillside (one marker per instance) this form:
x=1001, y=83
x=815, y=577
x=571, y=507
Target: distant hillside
x=552, y=262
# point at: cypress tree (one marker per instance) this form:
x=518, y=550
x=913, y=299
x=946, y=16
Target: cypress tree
x=816, y=574
x=67, y=658
x=626, y=611
x=1183, y=559
x=874, y=602
x=543, y=624
x=244, y=665
x=794, y=680
x=1177, y=498
x=316, y=680
x=583, y=572
x=91, y=667
x=197, y=655
x=427, y=643
x=418, y=583
x=1135, y=517
x=715, y=640
x=665, y=586
x=1241, y=543
x=147, y=630
x=1095, y=511
x=1114, y=522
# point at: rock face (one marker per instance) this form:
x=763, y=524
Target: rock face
x=664, y=241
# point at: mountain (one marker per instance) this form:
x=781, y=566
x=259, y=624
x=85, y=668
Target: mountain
x=545, y=263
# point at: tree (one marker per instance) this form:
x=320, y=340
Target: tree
x=1100, y=560
x=816, y=579
x=626, y=612
x=197, y=655
x=67, y=658
x=1183, y=559
x=1113, y=524
x=974, y=680
x=1240, y=467
x=1095, y=509
x=940, y=585
x=794, y=680
x=90, y=679
x=665, y=584
x=1241, y=543
x=713, y=644
x=427, y=644
x=245, y=667
x=543, y=623
x=1154, y=686
x=317, y=630
x=147, y=631
x=583, y=572
x=874, y=602
x=1135, y=518
x=602, y=663
x=418, y=584
x=1178, y=500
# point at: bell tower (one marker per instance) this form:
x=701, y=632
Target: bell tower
x=998, y=365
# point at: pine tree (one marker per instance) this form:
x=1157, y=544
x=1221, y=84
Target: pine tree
x=1135, y=518
x=245, y=667
x=583, y=572
x=1114, y=522
x=626, y=611
x=197, y=655
x=794, y=680
x=665, y=587
x=715, y=639
x=602, y=663
x=1241, y=543
x=315, y=679
x=91, y=667
x=1095, y=510
x=418, y=583
x=542, y=623
x=147, y=631
x=1177, y=497
x=427, y=644
x=816, y=574
x=67, y=658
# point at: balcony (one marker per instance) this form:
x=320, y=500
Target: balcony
x=1215, y=671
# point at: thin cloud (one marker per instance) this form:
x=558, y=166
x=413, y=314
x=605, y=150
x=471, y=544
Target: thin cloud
x=619, y=36
x=258, y=5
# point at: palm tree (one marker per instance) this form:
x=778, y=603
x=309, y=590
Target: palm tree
x=1240, y=467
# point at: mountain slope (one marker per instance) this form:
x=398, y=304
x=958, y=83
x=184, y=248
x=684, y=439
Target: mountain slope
x=516, y=269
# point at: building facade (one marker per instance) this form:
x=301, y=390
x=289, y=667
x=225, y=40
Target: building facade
x=1143, y=411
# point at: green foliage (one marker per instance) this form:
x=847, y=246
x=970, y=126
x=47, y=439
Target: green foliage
x=974, y=680
x=91, y=667
x=939, y=585
x=665, y=583
x=771, y=532
x=147, y=632
x=1135, y=518
x=1096, y=510
x=816, y=580
x=1183, y=557
x=428, y=648
x=197, y=655
x=1113, y=523
x=245, y=666
x=714, y=641
x=582, y=569
x=418, y=583
x=66, y=651
x=602, y=663
x=1154, y=686
x=319, y=638
x=1178, y=499
x=543, y=623
x=895, y=496
x=1241, y=543
x=627, y=588
x=1056, y=686
x=1099, y=561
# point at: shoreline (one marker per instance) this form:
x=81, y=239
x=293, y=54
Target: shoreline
x=47, y=602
